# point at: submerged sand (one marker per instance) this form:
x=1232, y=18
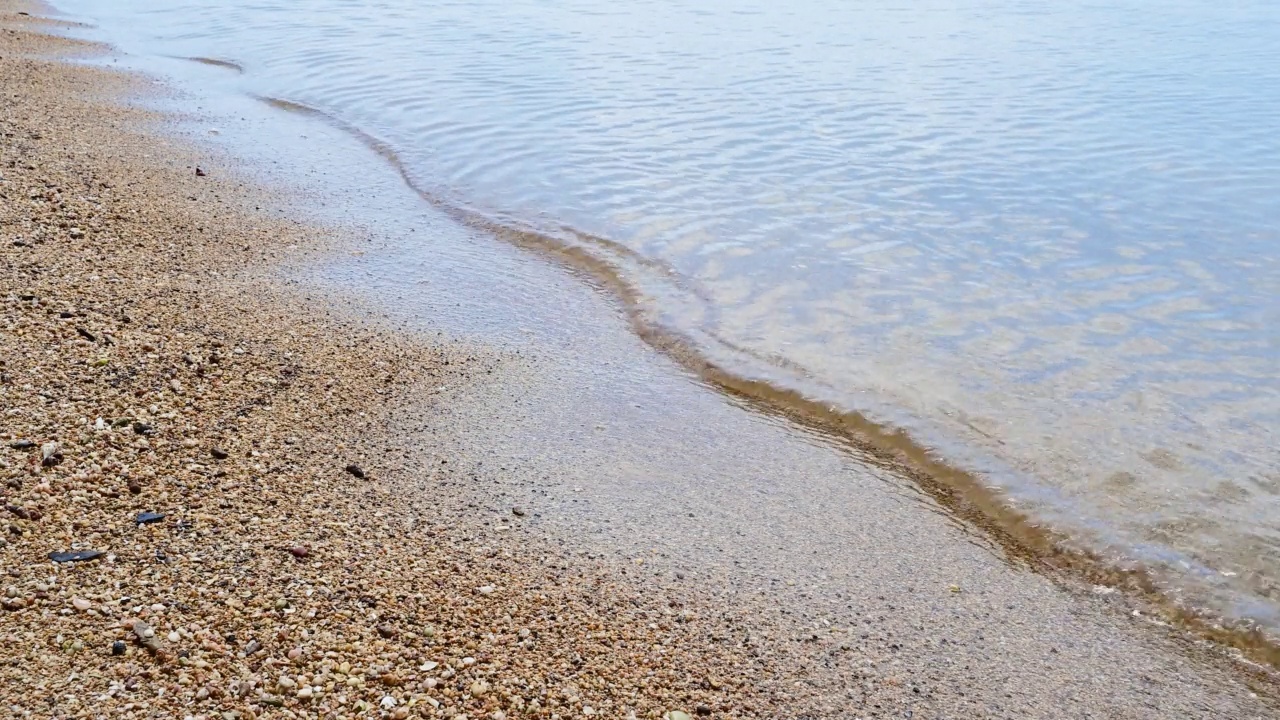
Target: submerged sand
x=310, y=563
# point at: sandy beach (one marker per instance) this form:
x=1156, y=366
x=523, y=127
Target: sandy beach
x=211, y=509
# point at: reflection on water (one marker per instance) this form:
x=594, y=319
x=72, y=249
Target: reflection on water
x=1043, y=237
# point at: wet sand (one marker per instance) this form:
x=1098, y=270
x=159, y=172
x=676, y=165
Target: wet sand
x=495, y=560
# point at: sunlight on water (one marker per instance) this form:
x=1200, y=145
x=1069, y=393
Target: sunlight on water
x=1042, y=237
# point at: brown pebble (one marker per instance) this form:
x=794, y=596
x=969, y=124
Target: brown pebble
x=386, y=631
x=299, y=551
x=219, y=454
x=356, y=470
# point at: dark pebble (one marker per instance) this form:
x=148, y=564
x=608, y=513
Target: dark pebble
x=77, y=556
x=149, y=517
x=199, y=172
x=219, y=454
x=117, y=647
x=87, y=335
x=356, y=470
x=134, y=487
x=299, y=551
x=703, y=710
x=386, y=631
x=143, y=429
x=518, y=512
x=22, y=444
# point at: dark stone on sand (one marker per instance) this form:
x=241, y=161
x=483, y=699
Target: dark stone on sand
x=356, y=470
x=86, y=335
x=76, y=556
x=22, y=444
x=148, y=517
x=143, y=429
x=117, y=647
x=219, y=454
x=386, y=631
x=19, y=511
x=299, y=551
x=517, y=511
x=199, y=172
x=135, y=487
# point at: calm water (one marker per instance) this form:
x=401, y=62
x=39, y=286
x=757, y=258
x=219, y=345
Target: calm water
x=1043, y=237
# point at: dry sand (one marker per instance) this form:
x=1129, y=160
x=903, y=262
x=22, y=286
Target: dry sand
x=146, y=366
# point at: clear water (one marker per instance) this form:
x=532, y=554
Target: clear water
x=1044, y=238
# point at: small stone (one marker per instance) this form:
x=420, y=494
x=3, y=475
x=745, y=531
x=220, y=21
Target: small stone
x=486, y=589
x=22, y=444
x=219, y=454
x=703, y=710
x=677, y=715
x=143, y=429
x=135, y=487
x=147, y=518
x=391, y=680
x=146, y=635
x=50, y=454
x=386, y=631
x=479, y=688
x=305, y=693
x=76, y=233
x=517, y=511
x=174, y=636
x=117, y=647
x=295, y=653
x=81, y=604
x=175, y=386
x=356, y=470
x=400, y=713
x=299, y=551
x=200, y=171
x=76, y=556
x=253, y=647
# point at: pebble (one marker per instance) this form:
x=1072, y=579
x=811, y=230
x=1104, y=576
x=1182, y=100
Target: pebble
x=219, y=453
x=356, y=471
x=75, y=556
x=117, y=647
x=81, y=604
x=50, y=454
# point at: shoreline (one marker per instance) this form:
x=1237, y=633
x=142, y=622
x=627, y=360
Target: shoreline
x=286, y=342
x=277, y=577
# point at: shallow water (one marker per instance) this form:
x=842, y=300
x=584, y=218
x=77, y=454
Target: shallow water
x=1043, y=239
